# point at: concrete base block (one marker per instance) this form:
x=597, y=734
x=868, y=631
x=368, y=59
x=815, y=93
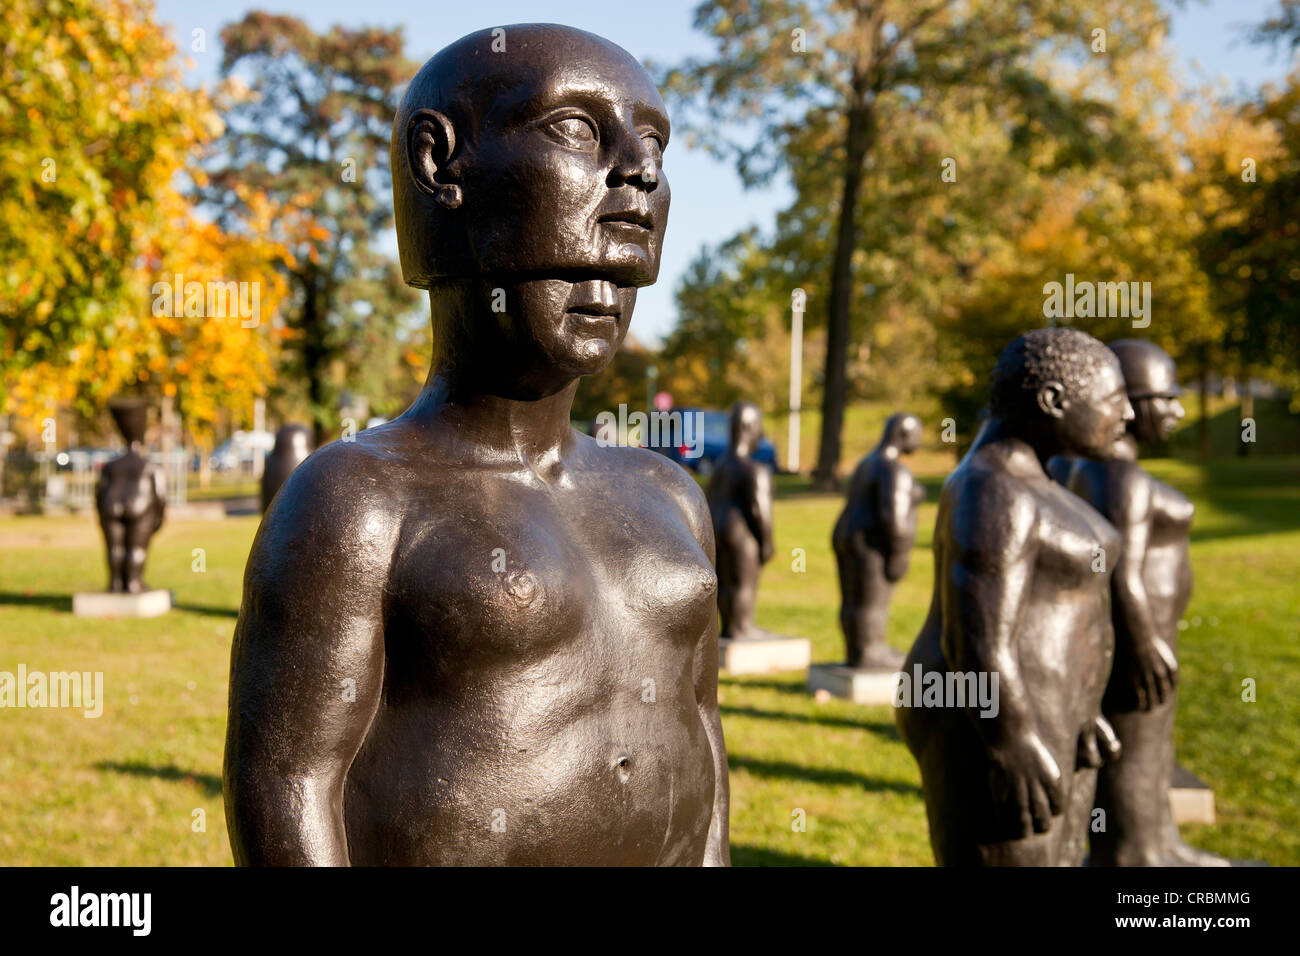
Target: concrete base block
x=108, y=604
x=873, y=687
x=763, y=655
x=1190, y=797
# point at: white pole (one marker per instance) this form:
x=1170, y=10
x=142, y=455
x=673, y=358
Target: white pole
x=798, y=299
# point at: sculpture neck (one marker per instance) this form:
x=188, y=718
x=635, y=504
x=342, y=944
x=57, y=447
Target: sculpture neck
x=1040, y=441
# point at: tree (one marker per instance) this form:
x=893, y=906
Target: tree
x=102, y=135
x=311, y=130
x=826, y=88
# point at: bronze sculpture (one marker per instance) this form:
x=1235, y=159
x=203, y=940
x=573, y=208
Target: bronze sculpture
x=1150, y=588
x=131, y=498
x=873, y=543
x=1021, y=591
x=740, y=503
x=473, y=635
x=292, y=446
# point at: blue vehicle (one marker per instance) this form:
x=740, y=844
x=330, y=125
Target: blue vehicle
x=713, y=443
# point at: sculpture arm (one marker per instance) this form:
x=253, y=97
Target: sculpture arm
x=1144, y=661
x=898, y=518
x=306, y=671
x=160, y=494
x=759, y=513
x=993, y=546
x=717, y=851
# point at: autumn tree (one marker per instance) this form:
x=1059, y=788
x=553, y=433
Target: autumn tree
x=102, y=138
x=311, y=131
x=832, y=91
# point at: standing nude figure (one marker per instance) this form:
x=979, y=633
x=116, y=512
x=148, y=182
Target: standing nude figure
x=740, y=502
x=1021, y=590
x=873, y=543
x=1150, y=588
x=130, y=497
x=473, y=635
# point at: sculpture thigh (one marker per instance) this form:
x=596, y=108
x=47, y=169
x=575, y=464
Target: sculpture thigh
x=115, y=538
x=1134, y=789
x=968, y=826
x=865, y=594
x=737, y=568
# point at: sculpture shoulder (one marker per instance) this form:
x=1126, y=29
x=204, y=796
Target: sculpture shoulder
x=680, y=485
x=1129, y=492
x=989, y=511
x=338, y=510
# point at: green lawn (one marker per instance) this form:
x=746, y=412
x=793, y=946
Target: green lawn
x=122, y=789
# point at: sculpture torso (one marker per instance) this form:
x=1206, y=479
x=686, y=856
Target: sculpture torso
x=551, y=696
x=1065, y=629
x=128, y=487
x=1166, y=565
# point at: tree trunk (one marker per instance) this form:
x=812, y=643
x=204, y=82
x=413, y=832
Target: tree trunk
x=1204, y=425
x=858, y=142
x=315, y=356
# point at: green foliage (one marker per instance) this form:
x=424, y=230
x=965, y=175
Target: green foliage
x=121, y=789
x=309, y=117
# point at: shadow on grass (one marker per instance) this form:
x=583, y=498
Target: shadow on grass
x=207, y=609
x=785, y=687
x=52, y=602
x=826, y=775
x=210, y=783
x=761, y=856
x=880, y=727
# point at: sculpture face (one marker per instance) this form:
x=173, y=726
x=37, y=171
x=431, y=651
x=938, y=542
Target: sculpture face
x=1152, y=381
x=564, y=172
x=1157, y=416
x=537, y=172
x=1093, y=421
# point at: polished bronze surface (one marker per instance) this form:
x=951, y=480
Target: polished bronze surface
x=873, y=539
x=473, y=635
x=131, y=498
x=1150, y=588
x=740, y=502
x=1021, y=590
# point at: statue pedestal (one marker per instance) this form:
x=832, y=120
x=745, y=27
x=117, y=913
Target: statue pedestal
x=1190, y=798
x=763, y=655
x=108, y=604
x=873, y=687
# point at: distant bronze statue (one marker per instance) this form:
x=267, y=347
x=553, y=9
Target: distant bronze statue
x=131, y=497
x=1150, y=588
x=1021, y=591
x=473, y=635
x=873, y=543
x=292, y=446
x=740, y=501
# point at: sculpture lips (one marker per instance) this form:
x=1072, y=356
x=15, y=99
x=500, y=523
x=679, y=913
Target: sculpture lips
x=630, y=217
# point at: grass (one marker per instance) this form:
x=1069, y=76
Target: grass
x=123, y=789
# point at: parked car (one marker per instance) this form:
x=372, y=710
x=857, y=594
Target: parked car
x=713, y=440
x=240, y=450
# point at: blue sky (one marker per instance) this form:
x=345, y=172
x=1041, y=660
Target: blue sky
x=708, y=202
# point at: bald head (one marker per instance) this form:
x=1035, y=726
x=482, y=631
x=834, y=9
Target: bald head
x=903, y=431
x=530, y=149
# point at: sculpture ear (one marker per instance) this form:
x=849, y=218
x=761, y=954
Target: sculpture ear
x=1051, y=399
x=430, y=142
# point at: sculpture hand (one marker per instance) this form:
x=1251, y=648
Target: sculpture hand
x=766, y=552
x=1097, y=744
x=896, y=566
x=1152, y=670
x=1029, y=782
